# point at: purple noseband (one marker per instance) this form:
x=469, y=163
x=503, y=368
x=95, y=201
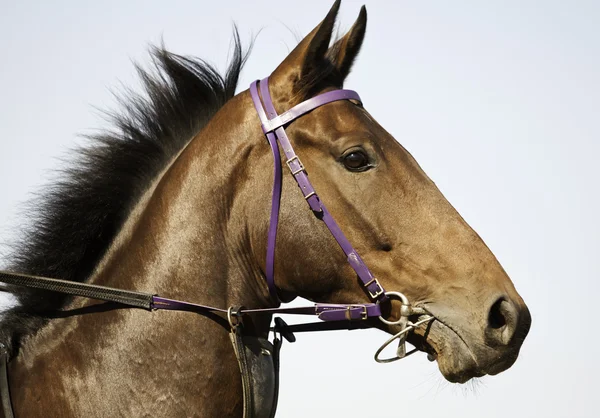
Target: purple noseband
x=273, y=126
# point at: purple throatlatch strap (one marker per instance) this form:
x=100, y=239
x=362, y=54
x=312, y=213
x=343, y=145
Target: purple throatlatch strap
x=273, y=126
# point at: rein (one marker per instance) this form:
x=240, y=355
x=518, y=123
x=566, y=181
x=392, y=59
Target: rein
x=333, y=316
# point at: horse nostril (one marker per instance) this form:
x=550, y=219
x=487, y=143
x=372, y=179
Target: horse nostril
x=496, y=318
x=503, y=320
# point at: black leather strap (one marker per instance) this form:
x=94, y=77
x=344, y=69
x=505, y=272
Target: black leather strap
x=6, y=410
x=276, y=350
x=287, y=331
x=240, y=353
x=258, y=360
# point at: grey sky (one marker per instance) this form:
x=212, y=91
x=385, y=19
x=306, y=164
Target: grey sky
x=498, y=101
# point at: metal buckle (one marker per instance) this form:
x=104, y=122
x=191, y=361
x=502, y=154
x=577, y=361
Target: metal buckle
x=363, y=314
x=378, y=292
x=289, y=164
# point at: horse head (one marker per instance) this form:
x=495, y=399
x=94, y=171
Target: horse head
x=406, y=231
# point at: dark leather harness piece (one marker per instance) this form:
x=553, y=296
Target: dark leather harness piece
x=258, y=358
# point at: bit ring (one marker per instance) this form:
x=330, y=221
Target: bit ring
x=405, y=310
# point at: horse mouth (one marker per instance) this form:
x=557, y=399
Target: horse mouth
x=456, y=361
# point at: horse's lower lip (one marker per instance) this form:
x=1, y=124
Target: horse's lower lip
x=442, y=344
x=421, y=343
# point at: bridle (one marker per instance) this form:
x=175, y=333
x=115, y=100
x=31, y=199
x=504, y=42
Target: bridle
x=333, y=316
x=273, y=126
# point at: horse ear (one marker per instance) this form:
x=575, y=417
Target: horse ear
x=310, y=56
x=345, y=50
x=318, y=42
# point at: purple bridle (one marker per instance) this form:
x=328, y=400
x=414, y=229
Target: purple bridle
x=273, y=126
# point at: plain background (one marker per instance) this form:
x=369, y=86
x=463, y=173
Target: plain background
x=497, y=100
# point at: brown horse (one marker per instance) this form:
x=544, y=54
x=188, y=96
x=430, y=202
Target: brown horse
x=176, y=201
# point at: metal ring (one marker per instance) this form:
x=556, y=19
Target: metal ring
x=231, y=315
x=402, y=335
x=403, y=318
x=399, y=336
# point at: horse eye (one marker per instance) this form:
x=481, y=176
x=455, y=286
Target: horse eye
x=356, y=161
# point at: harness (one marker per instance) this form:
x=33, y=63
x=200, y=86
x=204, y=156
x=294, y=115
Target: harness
x=257, y=357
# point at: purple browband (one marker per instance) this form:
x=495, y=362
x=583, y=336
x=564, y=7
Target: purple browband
x=273, y=126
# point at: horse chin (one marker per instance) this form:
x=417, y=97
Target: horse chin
x=456, y=361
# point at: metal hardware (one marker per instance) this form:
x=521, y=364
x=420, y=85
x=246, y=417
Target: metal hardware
x=401, y=336
x=308, y=196
x=234, y=317
x=404, y=313
x=348, y=313
x=300, y=165
x=406, y=310
x=363, y=314
x=367, y=284
x=378, y=292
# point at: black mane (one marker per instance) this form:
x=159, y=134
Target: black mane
x=74, y=221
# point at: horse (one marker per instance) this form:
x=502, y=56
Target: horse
x=177, y=200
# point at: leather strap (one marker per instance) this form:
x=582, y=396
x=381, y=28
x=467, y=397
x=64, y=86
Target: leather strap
x=109, y=294
x=275, y=199
x=7, y=409
x=277, y=342
x=238, y=347
x=259, y=368
x=307, y=106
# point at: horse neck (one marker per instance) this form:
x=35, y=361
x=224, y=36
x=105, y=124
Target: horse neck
x=190, y=237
